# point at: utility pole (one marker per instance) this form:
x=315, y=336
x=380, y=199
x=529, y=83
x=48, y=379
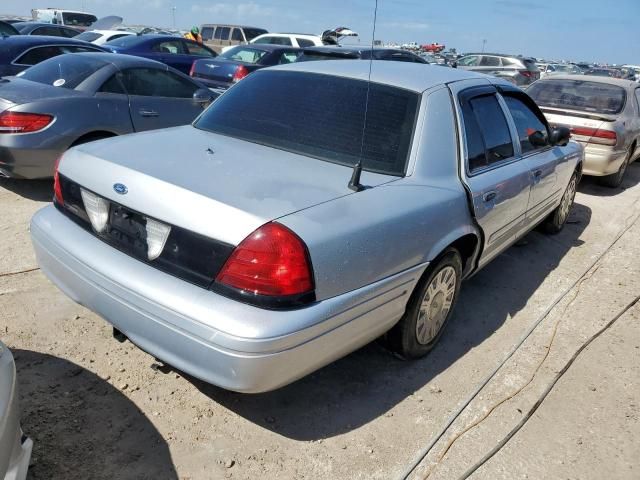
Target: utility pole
x=173, y=16
x=484, y=42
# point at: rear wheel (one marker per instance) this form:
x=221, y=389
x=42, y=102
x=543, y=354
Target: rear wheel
x=614, y=181
x=556, y=220
x=429, y=308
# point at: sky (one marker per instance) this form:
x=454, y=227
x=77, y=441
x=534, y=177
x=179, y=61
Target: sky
x=578, y=30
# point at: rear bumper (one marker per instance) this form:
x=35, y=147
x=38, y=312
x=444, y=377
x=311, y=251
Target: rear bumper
x=15, y=448
x=601, y=160
x=221, y=341
x=22, y=161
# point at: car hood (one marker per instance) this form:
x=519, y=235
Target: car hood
x=212, y=184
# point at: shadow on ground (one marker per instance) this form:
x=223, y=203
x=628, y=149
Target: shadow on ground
x=364, y=385
x=590, y=185
x=83, y=427
x=38, y=190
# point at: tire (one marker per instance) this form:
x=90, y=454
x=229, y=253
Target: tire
x=614, y=180
x=418, y=330
x=555, y=222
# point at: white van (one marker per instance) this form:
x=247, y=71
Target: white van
x=80, y=20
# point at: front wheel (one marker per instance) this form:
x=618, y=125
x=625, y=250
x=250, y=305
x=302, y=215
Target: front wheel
x=556, y=220
x=429, y=308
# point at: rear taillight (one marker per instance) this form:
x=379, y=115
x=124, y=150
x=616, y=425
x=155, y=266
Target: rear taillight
x=57, y=188
x=596, y=135
x=193, y=69
x=19, y=122
x=526, y=73
x=240, y=73
x=272, y=261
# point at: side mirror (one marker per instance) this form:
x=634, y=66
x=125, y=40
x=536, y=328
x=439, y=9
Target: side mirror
x=454, y=64
x=203, y=96
x=559, y=136
x=538, y=139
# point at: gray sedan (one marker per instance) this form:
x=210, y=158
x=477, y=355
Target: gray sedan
x=15, y=447
x=286, y=227
x=73, y=99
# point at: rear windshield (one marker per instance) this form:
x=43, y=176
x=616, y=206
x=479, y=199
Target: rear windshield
x=88, y=36
x=243, y=54
x=126, y=41
x=579, y=95
x=251, y=33
x=64, y=71
x=319, y=116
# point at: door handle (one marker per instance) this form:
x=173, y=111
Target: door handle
x=537, y=175
x=148, y=113
x=489, y=196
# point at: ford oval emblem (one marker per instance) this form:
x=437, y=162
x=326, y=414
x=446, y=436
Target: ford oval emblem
x=120, y=189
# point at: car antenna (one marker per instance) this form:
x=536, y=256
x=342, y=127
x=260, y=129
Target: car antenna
x=354, y=183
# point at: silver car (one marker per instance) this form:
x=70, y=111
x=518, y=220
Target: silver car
x=287, y=227
x=603, y=114
x=515, y=69
x=78, y=98
x=15, y=447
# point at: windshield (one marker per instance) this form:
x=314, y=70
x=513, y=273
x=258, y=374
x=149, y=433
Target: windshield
x=243, y=54
x=78, y=19
x=251, y=33
x=7, y=29
x=88, y=36
x=65, y=71
x=579, y=95
x=319, y=116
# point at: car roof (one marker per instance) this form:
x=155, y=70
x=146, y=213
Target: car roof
x=40, y=24
x=354, y=49
x=110, y=32
x=121, y=60
x=628, y=84
x=228, y=25
x=29, y=40
x=410, y=76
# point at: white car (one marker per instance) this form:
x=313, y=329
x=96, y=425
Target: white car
x=99, y=37
x=297, y=40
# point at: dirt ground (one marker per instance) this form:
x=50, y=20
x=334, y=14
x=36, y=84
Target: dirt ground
x=97, y=409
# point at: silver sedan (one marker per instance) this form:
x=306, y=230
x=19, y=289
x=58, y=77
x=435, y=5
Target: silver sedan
x=603, y=115
x=295, y=221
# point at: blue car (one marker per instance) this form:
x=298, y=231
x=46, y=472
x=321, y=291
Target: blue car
x=19, y=52
x=176, y=52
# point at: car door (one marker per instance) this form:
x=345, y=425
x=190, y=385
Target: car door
x=543, y=160
x=497, y=180
x=159, y=98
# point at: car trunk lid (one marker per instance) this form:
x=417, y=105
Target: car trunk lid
x=219, y=72
x=583, y=125
x=16, y=91
x=214, y=185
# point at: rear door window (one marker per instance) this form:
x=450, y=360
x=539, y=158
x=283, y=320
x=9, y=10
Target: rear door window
x=486, y=126
x=38, y=54
x=528, y=124
x=488, y=61
x=236, y=35
x=224, y=32
x=207, y=33
x=150, y=82
x=303, y=42
x=172, y=47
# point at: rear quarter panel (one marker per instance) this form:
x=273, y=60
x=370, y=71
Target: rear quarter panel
x=364, y=237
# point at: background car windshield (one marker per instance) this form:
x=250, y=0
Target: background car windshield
x=88, y=36
x=7, y=29
x=242, y=54
x=579, y=95
x=320, y=116
x=66, y=71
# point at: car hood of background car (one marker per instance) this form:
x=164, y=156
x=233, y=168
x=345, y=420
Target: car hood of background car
x=212, y=184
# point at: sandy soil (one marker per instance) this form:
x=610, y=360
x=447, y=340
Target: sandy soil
x=97, y=409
